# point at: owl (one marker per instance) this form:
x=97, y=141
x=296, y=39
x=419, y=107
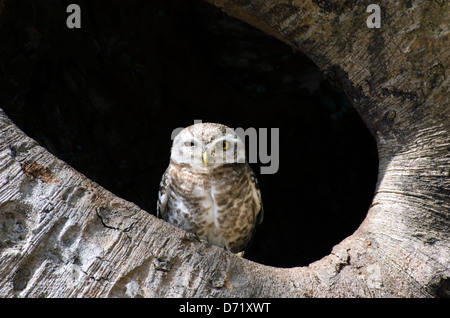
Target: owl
x=209, y=189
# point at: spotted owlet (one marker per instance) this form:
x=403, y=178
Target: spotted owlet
x=209, y=188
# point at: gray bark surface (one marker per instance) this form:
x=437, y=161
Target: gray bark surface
x=62, y=235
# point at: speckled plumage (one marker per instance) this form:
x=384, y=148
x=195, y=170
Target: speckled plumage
x=221, y=202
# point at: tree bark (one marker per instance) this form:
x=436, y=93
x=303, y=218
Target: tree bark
x=62, y=235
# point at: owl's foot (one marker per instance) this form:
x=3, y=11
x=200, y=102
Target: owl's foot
x=201, y=239
x=205, y=241
x=239, y=254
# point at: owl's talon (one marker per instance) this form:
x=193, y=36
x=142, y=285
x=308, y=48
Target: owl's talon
x=203, y=240
x=192, y=237
x=240, y=254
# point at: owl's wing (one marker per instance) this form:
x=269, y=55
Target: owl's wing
x=260, y=214
x=163, y=195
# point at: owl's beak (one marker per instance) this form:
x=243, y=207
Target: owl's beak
x=205, y=157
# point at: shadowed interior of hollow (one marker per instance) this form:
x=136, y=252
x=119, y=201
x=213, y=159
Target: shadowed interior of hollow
x=107, y=98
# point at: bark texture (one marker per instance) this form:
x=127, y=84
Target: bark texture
x=64, y=236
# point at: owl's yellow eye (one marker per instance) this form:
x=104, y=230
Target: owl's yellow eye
x=225, y=145
x=189, y=144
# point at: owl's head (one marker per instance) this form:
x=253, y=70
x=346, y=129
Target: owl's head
x=207, y=146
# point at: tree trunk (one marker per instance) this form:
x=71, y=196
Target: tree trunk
x=62, y=235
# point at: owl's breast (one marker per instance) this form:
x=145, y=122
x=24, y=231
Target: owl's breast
x=219, y=206
x=190, y=202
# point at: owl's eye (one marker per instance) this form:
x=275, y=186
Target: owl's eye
x=225, y=145
x=189, y=144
